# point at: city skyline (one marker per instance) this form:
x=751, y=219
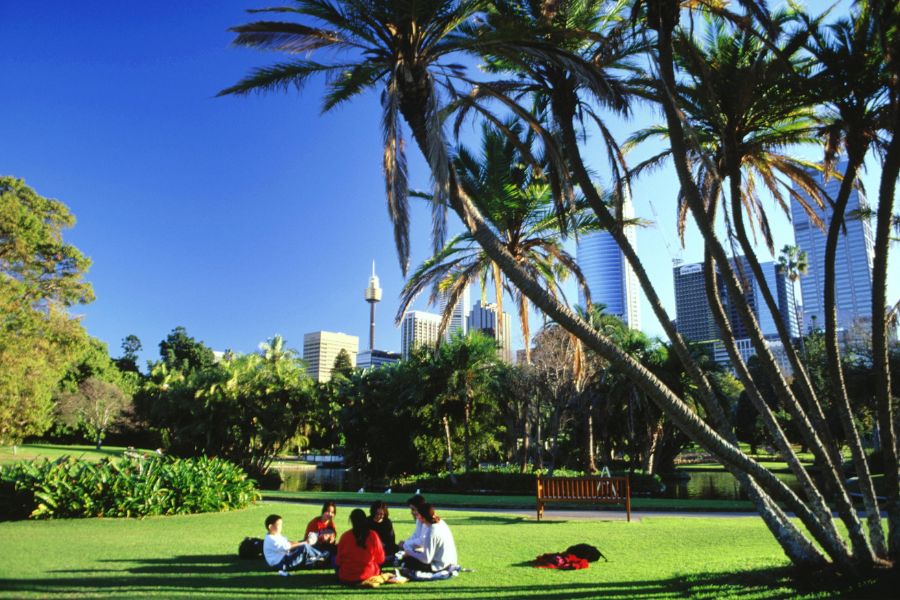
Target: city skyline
x=241, y=218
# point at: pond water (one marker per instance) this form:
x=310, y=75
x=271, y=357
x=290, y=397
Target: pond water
x=713, y=485
x=702, y=485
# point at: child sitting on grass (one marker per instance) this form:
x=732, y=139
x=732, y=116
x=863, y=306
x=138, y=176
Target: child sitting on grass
x=285, y=555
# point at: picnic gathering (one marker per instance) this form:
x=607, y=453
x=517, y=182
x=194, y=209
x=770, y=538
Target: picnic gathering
x=367, y=554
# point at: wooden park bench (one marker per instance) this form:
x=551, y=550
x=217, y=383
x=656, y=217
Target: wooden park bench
x=578, y=490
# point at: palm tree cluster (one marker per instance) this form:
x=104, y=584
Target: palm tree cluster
x=741, y=89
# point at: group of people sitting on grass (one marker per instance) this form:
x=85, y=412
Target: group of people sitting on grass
x=368, y=547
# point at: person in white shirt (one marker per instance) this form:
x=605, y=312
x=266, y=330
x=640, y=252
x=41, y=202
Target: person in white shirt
x=439, y=548
x=414, y=545
x=283, y=554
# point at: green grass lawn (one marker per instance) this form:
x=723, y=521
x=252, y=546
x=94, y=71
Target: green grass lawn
x=194, y=556
x=54, y=451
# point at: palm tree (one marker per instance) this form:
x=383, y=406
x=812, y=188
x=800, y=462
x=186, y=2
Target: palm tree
x=516, y=200
x=852, y=83
x=400, y=45
x=793, y=262
x=465, y=371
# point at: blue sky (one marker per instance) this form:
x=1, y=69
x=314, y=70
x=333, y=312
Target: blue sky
x=238, y=218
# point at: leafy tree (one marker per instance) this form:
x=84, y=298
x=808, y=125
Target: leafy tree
x=94, y=407
x=245, y=409
x=131, y=345
x=182, y=352
x=40, y=275
x=343, y=366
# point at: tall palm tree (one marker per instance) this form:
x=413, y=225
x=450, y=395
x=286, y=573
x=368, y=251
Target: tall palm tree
x=515, y=198
x=407, y=41
x=794, y=262
x=852, y=83
x=743, y=105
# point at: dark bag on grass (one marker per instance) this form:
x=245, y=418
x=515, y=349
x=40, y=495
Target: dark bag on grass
x=586, y=551
x=251, y=548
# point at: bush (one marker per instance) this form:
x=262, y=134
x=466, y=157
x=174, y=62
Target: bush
x=131, y=487
x=509, y=480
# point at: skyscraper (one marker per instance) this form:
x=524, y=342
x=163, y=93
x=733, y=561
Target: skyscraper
x=694, y=316
x=610, y=278
x=485, y=319
x=458, y=322
x=853, y=260
x=418, y=328
x=321, y=348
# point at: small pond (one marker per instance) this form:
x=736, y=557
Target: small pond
x=712, y=485
x=702, y=485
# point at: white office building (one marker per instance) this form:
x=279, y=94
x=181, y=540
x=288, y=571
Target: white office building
x=418, y=328
x=321, y=348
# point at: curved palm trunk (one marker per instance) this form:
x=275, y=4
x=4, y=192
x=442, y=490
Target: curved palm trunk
x=801, y=377
x=680, y=413
x=666, y=15
x=880, y=357
x=835, y=368
x=795, y=545
x=816, y=500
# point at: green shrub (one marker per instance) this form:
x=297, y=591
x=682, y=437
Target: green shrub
x=131, y=487
x=509, y=480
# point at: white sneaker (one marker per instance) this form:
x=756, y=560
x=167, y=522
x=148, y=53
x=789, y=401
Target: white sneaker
x=284, y=573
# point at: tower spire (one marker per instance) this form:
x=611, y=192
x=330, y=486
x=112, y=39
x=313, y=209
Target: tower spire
x=373, y=296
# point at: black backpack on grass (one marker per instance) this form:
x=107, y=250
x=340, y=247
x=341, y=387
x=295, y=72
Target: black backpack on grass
x=585, y=551
x=250, y=548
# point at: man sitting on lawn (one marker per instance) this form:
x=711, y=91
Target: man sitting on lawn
x=284, y=554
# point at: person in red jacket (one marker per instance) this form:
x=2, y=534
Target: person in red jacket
x=359, y=553
x=323, y=530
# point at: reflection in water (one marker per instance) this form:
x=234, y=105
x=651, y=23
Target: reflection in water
x=307, y=478
x=703, y=485
x=713, y=485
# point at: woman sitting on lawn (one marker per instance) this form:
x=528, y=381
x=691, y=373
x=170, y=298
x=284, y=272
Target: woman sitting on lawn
x=359, y=553
x=323, y=528
x=439, y=550
x=380, y=523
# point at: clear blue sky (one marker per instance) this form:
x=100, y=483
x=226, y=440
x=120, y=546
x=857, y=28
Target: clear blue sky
x=238, y=218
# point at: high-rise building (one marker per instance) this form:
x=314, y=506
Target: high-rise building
x=695, y=319
x=418, y=328
x=321, y=348
x=458, y=322
x=852, y=261
x=372, y=359
x=610, y=278
x=486, y=320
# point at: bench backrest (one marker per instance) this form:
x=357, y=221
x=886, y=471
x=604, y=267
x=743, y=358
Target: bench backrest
x=582, y=488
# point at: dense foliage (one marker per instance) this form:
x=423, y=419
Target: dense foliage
x=131, y=487
x=245, y=408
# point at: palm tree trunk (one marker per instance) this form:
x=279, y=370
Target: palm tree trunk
x=666, y=15
x=680, y=413
x=449, y=445
x=816, y=500
x=801, y=377
x=880, y=356
x=835, y=367
x=466, y=454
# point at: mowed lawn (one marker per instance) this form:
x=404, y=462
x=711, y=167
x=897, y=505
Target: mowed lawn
x=195, y=556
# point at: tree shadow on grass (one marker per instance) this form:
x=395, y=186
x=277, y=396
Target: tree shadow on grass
x=216, y=576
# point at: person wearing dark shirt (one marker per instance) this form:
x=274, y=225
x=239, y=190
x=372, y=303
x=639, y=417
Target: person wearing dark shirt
x=380, y=523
